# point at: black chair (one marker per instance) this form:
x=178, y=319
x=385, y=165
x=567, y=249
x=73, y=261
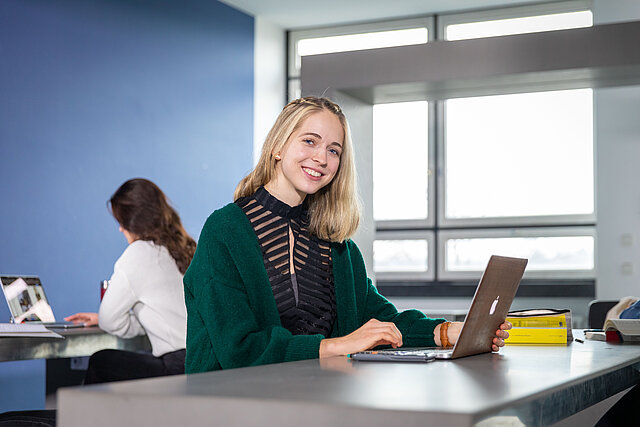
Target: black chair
x=598, y=311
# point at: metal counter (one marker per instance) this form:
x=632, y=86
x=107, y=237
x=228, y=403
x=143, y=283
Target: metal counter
x=77, y=342
x=531, y=385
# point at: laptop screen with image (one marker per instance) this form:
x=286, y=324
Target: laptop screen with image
x=26, y=299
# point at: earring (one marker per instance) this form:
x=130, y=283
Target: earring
x=277, y=156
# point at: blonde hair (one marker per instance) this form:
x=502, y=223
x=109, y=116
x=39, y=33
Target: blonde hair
x=334, y=210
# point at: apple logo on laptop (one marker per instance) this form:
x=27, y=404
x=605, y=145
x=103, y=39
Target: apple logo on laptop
x=493, y=306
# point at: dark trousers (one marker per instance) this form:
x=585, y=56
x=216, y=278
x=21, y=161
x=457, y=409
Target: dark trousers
x=44, y=418
x=624, y=412
x=117, y=365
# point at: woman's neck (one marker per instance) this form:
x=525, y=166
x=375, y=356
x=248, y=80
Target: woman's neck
x=289, y=196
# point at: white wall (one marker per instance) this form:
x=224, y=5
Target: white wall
x=617, y=132
x=270, y=90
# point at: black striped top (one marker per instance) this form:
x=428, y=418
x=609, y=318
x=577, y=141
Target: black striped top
x=306, y=299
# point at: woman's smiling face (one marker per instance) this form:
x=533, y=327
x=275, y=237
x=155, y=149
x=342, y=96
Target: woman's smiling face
x=310, y=159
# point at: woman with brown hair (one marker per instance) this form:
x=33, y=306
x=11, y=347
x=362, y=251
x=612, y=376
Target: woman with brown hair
x=276, y=277
x=145, y=293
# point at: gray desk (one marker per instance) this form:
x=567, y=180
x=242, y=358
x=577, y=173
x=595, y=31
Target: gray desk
x=538, y=385
x=60, y=371
x=77, y=342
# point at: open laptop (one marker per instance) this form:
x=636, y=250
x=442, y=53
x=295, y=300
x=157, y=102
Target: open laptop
x=489, y=309
x=28, y=303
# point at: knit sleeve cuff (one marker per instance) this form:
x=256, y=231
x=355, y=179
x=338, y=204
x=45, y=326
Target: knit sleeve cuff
x=303, y=347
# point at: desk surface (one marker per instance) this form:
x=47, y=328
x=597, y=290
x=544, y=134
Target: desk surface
x=538, y=385
x=77, y=342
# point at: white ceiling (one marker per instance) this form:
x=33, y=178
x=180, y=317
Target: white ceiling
x=297, y=14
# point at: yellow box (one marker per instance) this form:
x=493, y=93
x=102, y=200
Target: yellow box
x=556, y=321
x=537, y=336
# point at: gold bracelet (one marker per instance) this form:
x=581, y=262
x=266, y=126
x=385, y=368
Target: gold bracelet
x=444, y=336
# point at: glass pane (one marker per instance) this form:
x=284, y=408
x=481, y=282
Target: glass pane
x=529, y=24
x=400, y=160
x=544, y=253
x=351, y=42
x=400, y=256
x=519, y=155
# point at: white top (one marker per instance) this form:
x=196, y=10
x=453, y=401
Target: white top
x=146, y=295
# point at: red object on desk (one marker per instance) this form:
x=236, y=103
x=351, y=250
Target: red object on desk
x=104, y=284
x=613, y=336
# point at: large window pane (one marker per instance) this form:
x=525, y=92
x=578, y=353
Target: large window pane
x=544, y=253
x=400, y=256
x=372, y=40
x=400, y=160
x=529, y=24
x=519, y=155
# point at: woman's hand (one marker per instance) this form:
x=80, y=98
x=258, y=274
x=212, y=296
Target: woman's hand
x=89, y=319
x=501, y=335
x=370, y=335
x=454, y=332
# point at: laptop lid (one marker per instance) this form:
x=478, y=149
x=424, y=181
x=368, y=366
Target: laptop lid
x=489, y=308
x=490, y=305
x=26, y=299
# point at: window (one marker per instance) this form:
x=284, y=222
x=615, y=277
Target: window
x=522, y=25
x=560, y=15
x=351, y=42
x=401, y=181
x=405, y=255
x=523, y=156
x=552, y=252
x=351, y=38
x=456, y=181
x=507, y=163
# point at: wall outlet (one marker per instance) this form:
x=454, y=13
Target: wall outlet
x=626, y=240
x=626, y=268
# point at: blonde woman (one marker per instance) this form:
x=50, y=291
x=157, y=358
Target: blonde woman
x=275, y=276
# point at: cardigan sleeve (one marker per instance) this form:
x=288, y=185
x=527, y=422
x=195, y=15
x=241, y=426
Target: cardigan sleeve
x=227, y=326
x=415, y=326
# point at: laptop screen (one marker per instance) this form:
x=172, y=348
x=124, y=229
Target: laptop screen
x=26, y=299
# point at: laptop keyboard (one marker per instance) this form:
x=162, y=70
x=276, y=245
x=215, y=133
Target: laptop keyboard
x=423, y=351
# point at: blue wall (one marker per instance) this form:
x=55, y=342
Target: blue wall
x=92, y=93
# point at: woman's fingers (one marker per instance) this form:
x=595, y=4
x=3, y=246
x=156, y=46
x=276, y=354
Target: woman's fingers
x=386, y=336
x=502, y=334
x=371, y=334
x=385, y=330
x=506, y=325
x=76, y=317
x=90, y=319
x=374, y=333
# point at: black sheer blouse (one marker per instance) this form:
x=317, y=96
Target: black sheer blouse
x=304, y=294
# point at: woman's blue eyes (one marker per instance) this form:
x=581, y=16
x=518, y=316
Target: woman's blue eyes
x=331, y=150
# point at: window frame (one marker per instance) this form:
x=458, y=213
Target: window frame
x=437, y=228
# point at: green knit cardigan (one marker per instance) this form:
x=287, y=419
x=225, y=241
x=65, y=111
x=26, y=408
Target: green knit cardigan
x=233, y=320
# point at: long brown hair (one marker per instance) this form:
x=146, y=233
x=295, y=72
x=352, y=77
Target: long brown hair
x=142, y=209
x=335, y=209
